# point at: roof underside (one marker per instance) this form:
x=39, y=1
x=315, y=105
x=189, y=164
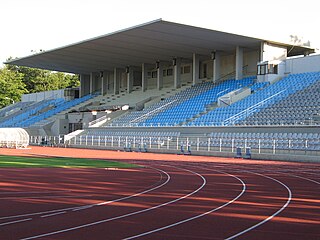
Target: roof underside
x=147, y=43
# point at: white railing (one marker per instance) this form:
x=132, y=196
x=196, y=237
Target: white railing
x=205, y=145
x=98, y=122
x=248, y=111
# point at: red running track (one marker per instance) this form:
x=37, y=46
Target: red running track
x=172, y=197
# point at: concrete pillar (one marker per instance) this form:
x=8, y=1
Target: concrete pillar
x=195, y=68
x=129, y=72
x=177, y=72
x=82, y=85
x=144, y=77
x=239, y=63
x=116, y=81
x=92, y=76
x=159, y=75
x=216, y=67
x=104, y=84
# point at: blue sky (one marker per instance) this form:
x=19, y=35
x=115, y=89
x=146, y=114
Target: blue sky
x=46, y=24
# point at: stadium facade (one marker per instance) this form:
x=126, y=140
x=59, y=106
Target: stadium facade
x=169, y=87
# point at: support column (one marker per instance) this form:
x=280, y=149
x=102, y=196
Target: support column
x=216, y=67
x=116, y=81
x=177, y=72
x=129, y=71
x=239, y=63
x=92, y=76
x=159, y=75
x=144, y=77
x=195, y=68
x=105, y=80
x=82, y=85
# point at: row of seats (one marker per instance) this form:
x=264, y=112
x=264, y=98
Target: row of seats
x=13, y=108
x=295, y=109
x=99, y=132
x=136, y=117
x=28, y=112
x=254, y=103
x=39, y=111
x=282, y=141
x=196, y=104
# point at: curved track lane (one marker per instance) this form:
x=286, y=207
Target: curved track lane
x=206, y=198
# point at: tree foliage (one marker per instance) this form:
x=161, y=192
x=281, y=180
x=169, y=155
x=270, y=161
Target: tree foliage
x=18, y=80
x=11, y=86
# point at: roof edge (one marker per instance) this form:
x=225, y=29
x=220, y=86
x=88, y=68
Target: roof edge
x=87, y=40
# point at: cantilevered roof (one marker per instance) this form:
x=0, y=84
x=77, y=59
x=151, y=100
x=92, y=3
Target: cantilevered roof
x=146, y=43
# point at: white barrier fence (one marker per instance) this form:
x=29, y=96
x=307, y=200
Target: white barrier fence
x=186, y=144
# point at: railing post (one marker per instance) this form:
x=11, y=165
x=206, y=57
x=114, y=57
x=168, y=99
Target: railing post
x=86, y=140
x=197, y=144
x=80, y=140
x=177, y=143
x=150, y=143
x=220, y=147
x=111, y=141
x=259, y=146
x=168, y=143
x=99, y=140
x=92, y=140
x=232, y=145
x=208, y=144
x=274, y=146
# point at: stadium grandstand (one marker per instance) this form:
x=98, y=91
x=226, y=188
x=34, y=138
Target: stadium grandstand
x=168, y=87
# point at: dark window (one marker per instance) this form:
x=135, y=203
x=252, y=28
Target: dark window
x=186, y=69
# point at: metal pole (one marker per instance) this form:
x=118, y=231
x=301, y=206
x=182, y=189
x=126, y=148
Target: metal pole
x=197, y=144
x=274, y=146
x=220, y=144
x=177, y=143
x=208, y=144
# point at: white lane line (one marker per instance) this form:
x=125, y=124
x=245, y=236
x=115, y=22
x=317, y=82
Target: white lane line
x=53, y=214
x=125, y=215
x=304, y=178
x=13, y=222
x=270, y=217
x=81, y=208
x=197, y=216
x=98, y=204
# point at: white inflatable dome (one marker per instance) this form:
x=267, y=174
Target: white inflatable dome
x=14, y=137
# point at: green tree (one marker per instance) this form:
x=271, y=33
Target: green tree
x=11, y=86
x=38, y=80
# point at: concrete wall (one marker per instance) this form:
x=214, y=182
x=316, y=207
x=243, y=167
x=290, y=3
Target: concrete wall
x=37, y=97
x=250, y=60
x=303, y=64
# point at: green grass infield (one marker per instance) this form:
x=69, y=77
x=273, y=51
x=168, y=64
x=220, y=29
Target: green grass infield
x=47, y=162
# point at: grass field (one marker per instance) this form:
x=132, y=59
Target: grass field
x=46, y=162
